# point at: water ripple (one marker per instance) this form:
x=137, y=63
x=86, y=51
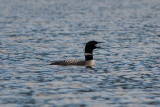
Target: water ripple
x=35, y=33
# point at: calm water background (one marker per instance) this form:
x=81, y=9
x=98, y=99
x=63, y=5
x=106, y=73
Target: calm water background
x=35, y=32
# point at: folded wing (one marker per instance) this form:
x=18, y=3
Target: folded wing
x=69, y=62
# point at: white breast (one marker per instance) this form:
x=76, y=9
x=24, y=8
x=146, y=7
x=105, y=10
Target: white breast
x=90, y=63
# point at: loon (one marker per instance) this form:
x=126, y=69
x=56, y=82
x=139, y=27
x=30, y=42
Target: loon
x=88, y=62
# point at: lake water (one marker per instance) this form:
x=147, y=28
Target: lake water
x=35, y=32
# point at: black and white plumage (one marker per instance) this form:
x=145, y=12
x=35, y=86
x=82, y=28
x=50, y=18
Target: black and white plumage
x=88, y=62
x=69, y=62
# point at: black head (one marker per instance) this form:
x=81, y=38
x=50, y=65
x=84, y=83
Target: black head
x=90, y=46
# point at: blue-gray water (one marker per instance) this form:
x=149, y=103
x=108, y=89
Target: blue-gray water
x=35, y=32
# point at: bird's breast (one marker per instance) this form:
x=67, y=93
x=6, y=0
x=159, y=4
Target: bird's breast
x=90, y=63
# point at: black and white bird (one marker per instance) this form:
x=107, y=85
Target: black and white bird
x=88, y=62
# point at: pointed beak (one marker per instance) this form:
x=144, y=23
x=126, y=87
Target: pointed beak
x=99, y=42
x=99, y=46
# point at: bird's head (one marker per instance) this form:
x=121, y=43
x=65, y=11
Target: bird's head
x=91, y=45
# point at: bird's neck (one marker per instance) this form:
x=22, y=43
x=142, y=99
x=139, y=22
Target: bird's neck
x=88, y=55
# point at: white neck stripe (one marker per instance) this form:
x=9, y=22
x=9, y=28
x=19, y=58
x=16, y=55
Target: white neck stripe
x=87, y=54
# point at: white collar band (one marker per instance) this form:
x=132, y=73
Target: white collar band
x=87, y=54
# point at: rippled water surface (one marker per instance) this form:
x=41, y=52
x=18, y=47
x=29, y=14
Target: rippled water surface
x=35, y=32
